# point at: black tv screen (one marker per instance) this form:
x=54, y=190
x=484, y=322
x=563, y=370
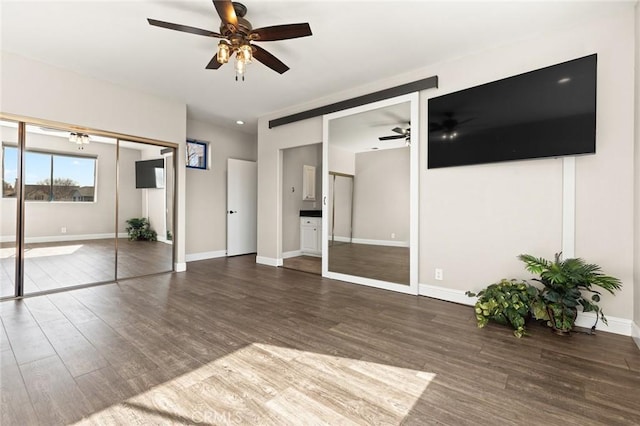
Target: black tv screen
x=150, y=173
x=549, y=112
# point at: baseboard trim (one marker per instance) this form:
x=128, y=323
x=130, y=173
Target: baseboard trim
x=193, y=257
x=389, y=243
x=61, y=238
x=616, y=325
x=446, y=294
x=293, y=253
x=635, y=333
x=180, y=266
x=269, y=261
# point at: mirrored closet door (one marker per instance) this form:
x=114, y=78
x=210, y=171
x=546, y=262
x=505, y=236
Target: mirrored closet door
x=69, y=206
x=145, y=209
x=370, y=194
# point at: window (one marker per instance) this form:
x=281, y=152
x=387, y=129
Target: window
x=49, y=176
x=197, y=154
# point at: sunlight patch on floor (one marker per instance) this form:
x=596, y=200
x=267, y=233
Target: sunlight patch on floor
x=267, y=384
x=7, y=252
x=31, y=253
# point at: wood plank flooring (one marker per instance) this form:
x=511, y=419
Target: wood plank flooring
x=50, y=266
x=232, y=342
x=310, y=264
x=383, y=263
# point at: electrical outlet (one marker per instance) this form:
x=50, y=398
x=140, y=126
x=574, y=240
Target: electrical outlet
x=439, y=275
x=393, y=235
x=63, y=230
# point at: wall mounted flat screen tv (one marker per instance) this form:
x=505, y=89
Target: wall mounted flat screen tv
x=150, y=173
x=549, y=112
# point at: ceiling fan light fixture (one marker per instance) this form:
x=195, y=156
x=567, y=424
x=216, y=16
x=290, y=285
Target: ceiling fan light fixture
x=240, y=64
x=245, y=52
x=224, y=52
x=79, y=138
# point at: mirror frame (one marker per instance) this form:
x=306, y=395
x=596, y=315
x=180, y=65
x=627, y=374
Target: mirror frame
x=414, y=236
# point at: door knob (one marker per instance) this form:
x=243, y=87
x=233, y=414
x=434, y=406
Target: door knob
x=232, y=211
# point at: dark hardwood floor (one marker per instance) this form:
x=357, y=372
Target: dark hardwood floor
x=311, y=264
x=232, y=342
x=55, y=265
x=383, y=263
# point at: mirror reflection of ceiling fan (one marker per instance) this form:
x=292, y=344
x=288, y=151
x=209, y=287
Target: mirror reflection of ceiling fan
x=401, y=134
x=238, y=36
x=448, y=126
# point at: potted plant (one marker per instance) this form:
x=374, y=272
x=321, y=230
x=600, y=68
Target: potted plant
x=139, y=229
x=564, y=281
x=507, y=302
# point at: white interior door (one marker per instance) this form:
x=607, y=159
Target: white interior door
x=242, y=212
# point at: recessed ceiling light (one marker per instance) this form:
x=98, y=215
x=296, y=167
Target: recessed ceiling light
x=564, y=80
x=239, y=122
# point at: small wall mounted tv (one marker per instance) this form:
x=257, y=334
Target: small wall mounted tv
x=150, y=173
x=549, y=112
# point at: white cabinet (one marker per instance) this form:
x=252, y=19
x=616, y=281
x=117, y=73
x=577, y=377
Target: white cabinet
x=311, y=235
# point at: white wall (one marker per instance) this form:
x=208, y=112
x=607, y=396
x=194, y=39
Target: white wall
x=381, y=196
x=342, y=161
x=206, y=200
x=34, y=89
x=475, y=220
x=293, y=160
x=154, y=200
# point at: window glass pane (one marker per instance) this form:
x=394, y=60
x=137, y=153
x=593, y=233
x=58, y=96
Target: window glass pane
x=196, y=155
x=37, y=176
x=73, y=178
x=9, y=170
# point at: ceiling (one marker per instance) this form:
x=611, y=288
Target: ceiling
x=353, y=43
x=360, y=132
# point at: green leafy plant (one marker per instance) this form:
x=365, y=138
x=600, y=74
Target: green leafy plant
x=564, y=282
x=139, y=229
x=507, y=302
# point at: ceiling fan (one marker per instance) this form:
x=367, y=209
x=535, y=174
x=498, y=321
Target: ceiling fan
x=448, y=126
x=402, y=134
x=238, y=36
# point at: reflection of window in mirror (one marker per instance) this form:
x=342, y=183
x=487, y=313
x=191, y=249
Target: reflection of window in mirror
x=50, y=176
x=308, y=183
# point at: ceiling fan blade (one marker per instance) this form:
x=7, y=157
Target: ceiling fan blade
x=183, y=28
x=280, y=32
x=388, y=138
x=213, y=63
x=269, y=60
x=226, y=11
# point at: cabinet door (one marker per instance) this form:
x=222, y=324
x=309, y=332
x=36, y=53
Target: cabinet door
x=308, y=238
